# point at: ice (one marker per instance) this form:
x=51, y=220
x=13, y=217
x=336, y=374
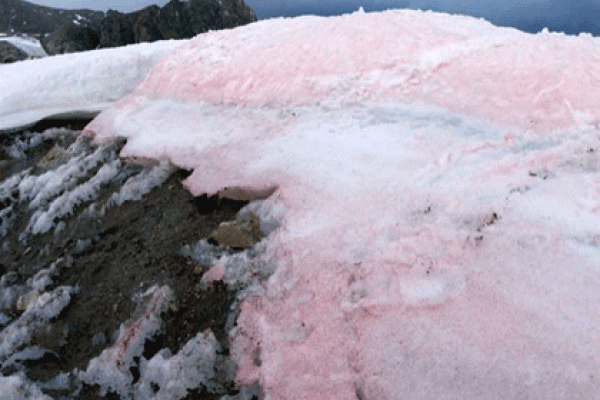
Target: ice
x=139, y=185
x=168, y=377
x=43, y=221
x=437, y=196
x=36, y=317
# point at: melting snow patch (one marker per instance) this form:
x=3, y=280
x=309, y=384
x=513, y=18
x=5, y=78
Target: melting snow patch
x=36, y=317
x=18, y=387
x=168, y=377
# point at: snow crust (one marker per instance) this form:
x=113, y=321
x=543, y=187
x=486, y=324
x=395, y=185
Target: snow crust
x=73, y=85
x=440, y=181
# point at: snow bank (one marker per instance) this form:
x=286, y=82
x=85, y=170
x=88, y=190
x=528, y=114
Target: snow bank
x=73, y=85
x=29, y=45
x=441, y=187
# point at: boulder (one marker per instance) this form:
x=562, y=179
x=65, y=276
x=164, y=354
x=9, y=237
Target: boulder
x=70, y=38
x=115, y=30
x=10, y=53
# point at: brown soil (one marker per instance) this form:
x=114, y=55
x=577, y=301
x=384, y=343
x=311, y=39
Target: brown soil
x=133, y=247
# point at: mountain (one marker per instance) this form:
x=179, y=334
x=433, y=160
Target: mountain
x=17, y=16
x=68, y=31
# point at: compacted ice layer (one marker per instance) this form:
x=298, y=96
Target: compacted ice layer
x=73, y=85
x=440, y=181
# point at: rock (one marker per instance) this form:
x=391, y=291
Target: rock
x=206, y=15
x=26, y=299
x=239, y=234
x=176, y=20
x=10, y=53
x=235, y=13
x=99, y=339
x=70, y=38
x=146, y=24
x=115, y=30
x=56, y=156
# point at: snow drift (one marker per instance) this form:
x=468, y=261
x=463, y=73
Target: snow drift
x=73, y=85
x=440, y=180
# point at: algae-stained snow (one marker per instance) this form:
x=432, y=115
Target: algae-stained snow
x=73, y=85
x=441, y=183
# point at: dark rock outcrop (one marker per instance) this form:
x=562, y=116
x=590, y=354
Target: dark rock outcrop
x=10, y=53
x=235, y=13
x=70, y=38
x=146, y=24
x=207, y=15
x=115, y=30
x=176, y=20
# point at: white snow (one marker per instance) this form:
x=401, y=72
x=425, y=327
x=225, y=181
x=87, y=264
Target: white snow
x=17, y=387
x=29, y=45
x=437, y=202
x=73, y=85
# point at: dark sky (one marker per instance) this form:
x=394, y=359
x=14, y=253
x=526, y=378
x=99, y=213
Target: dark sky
x=570, y=16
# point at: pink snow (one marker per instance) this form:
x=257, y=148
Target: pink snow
x=440, y=178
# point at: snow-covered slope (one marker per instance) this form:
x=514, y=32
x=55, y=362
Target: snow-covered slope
x=442, y=191
x=73, y=85
x=31, y=46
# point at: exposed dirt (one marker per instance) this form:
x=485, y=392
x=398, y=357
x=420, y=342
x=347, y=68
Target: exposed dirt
x=133, y=247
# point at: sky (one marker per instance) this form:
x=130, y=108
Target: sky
x=569, y=16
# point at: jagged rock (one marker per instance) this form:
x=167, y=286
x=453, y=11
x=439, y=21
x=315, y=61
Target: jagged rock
x=207, y=15
x=235, y=13
x=146, y=24
x=115, y=30
x=70, y=38
x=176, y=20
x=10, y=53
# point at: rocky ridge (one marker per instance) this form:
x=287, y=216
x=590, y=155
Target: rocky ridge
x=67, y=31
